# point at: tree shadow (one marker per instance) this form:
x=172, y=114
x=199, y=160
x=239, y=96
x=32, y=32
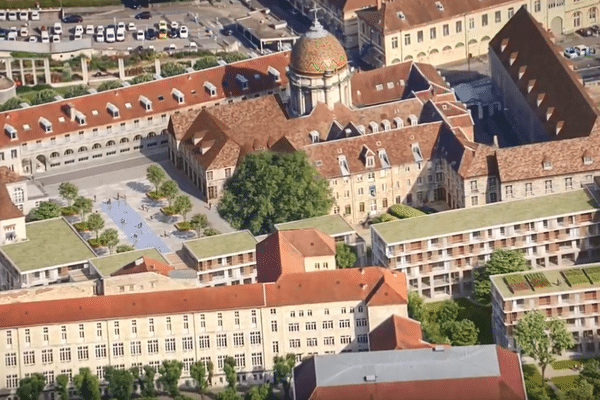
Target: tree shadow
x=139, y=187
x=184, y=234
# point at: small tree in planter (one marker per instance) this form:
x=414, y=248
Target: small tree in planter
x=169, y=189
x=95, y=223
x=183, y=205
x=110, y=237
x=198, y=223
x=210, y=231
x=83, y=206
x=68, y=191
x=156, y=175
x=124, y=248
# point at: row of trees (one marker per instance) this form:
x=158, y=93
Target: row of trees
x=120, y=382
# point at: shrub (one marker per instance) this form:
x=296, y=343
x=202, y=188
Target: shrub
x=95, y=242
x=385, y=217
x=124, y=248
x=68, y=211
x=154, y=195
x=81, y=226
x=403, y=211
x=210, y=231
x=183, y=226
x=169, y=210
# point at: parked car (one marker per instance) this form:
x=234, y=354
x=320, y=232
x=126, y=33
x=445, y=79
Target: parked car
x=174, y=25
x=45, y=37
x=24, y=31
x=12, y=34
x=100, y=37
x=35, y=16
x=23, y=15
x=57, y=28
x=12, y=15
x=183, y=32
x=110, y=35
x=144, y=15
x=100, y=29
x=2, y=15
x=131, y=26
x=192, y=45
x=89, y=30
x=55, y=38
x=72, y=19
x=121, y=25
x=172, y=33
x=33, y=39
x=571, y=53
x=584, y=32
x=162, y=24
x=162, y=34
x=78, y=30
x=139, y=35
x=150, y=34
x=77, y=36
x=584, y=50
x=120, y=35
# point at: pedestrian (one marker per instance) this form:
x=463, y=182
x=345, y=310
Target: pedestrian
x=209, y=205
x=117, y=196
x=151, y=218
x=94, y=198
x=108, y=201
x=124, y=197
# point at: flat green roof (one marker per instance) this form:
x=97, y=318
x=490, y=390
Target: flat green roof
x=51, y=242
x=558, y=282
x=228, y=243
x=109, y=264
x=329, y=224
x=466, y=219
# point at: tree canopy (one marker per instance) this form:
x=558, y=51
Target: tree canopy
x=120, y=383
x=83, y=205
x=282, y=371
x=591, y=373
x=95, y=223
x=170, y=372
x=155, y=175
x=46, y=210
x=230, y=374
x=582, y=390
x=145, y=380
x=31, y=388
x=345, y=256
x=87, y=384
x=501, y=262
x=270, y=188
x=169, y=189
x=198, y=373
x=542, y=339
x=260, y=392
x=183, y=205
x=110, y=237
x=68, y=191
x=385, y=217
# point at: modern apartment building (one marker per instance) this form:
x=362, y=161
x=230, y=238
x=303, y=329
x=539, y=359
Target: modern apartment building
x=570, y=294
x=444, y=31
x=439, y=252
x=306, y=314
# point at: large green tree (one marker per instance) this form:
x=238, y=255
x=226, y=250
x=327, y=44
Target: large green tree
x=87, y=384
x=229, y=394
x=582, y=390
x=120, y=383
x=110, y=237
x=46, y=210
x=198, y=373
x=95, y=223
x=416, y=306
x=198, y=223
x=345, y=256
x=62, y=386
x=170, y=372
x=155, y=175
x=183, y=205
x=31, y=388
x=83, y=205
x=260, y=392
x=282, y=372
x=68, y=191
x=501, y=262
x=591, y=373
x=210, y=368
x=169, y=189
x=145, y=380
x=542, y=339
x=462, y=333
x=230, y=374
x=269, y=188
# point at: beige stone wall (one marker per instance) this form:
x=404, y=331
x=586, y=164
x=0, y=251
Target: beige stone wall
x=145, y=282
x=310, y=263
x=51, y=292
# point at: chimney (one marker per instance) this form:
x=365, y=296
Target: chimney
x=496, y=141
x=379, y=4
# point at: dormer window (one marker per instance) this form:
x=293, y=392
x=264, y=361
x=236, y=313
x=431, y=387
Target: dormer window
x=370, y=161
x=80, y=118
x=416, y=151
x=413, y=120
x=146, y=103
x=361, y=129
x=343, y=165
x=274, y=74
x=547, y=165
x=10, y=131
x=374, y=127
x=243, y=82
x=314, y=136
x=178, y=95
x=210, y=88
x=439, y=6
x=398, y=122
x=401, y=15
x=46, y=125
x=587, y=159
x=386, y=125
x=113, y=110
x=385, y=162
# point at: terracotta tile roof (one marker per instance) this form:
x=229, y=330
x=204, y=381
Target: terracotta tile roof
x=483, y=162
x=290, y=289
x=309, y=242
x=525, y=48
x=144, y=264
x=191, y=85
x=8, y=210
x=397, y=333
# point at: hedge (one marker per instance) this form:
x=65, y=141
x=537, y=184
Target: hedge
x=403, y=211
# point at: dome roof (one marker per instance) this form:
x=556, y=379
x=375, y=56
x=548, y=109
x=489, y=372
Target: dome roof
x=317, y=51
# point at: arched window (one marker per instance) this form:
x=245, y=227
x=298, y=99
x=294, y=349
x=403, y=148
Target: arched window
x=407, y=58
x=68, y=151
x=18, y=195
x=447, y=48
x=54, y=155
x=485, y=38
x=472, y=41
x=96, y=146
x=152, y=134
x=577, y=19
x=592, y=14
x=82, y=149
x=421, y=54
x=110, y=143
x=137, y=138
x=124, y=140
x=459, y=44
x=434, y=51
x=395, y=60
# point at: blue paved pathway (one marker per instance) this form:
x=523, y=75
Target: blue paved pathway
x=137, y=231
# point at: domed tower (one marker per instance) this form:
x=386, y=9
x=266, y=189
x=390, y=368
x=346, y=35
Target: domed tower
x=318, y=71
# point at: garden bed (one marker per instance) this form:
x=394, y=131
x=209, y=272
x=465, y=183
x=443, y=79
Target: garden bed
x=168, y=211
x=575, y=277
x=593, y=273
x=517, y=283
x=183, y=226
x=538, y=280
x=154, y=195
x=81, y=226
x=95, y=243
x=68, y=211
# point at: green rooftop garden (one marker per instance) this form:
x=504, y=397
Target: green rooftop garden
x=575, y=276
x=51, y=242
x=448, y=222
x=228, y=243
x=329, y=224
x=109, y=264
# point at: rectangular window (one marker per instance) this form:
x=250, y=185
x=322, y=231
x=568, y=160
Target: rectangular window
x=432, y=33
x=170, y=345
x=548, y=186
x=153, y=346
x=47, y=356
x=329, y=341
x=311, y=326
x=9, y=338
x=169, y=325
x=65, y=354
x=116, y=326
x=275, y=347
x=186, y=323
x=151, y=325
x=10, y=359
x=118, y=349
x=221, y=340
x=273, y=326
x=327, y=324
x=458, y=26
x=294, y=327
x=419, y=36
x=344, y=323
x=12, y=381
x=471, y=23
x=257, y=359
x=100, y=351
x=83, y=353
x=498, y=16
x=134, y=327
x=221, y=361
x=187, y=343
x=29, y=357
x=255, y=338
x=395, y=42
x=528, y=189
x=568, y=183
x=311, y=342
x=511, y=12
x=238, y=339
x=294, y=343
x=362, y=338
x=63, y=332
x=484, y=20
x=445, y=29
x=136, y=348
x=204, y=342
x=474, y=200
x=407, y=39
x=240, y=360
x=99, y=329
x=361, y=322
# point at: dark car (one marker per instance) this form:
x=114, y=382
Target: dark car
x=173, y=33
x=228, y=32
x=143, y=15
x=72, y=19
x=150, y=34
x=585, y=32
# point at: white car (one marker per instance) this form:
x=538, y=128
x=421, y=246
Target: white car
x=99, y=29
x=183, y=32
x=174, y=25
x=89, y=30
x=77, y=36
x=131, y=26
x=55, y=38
x=24, y=31
x=57, y=28
x=45, y=37
x=100, y=37
x=12, y=15
x=33, y=39
x=23, y=15
x=120, y=35
x=139, y=35
x=110, y=35
x=35, y=16
x=2, y=15
x=121, y=25
x=78, y=30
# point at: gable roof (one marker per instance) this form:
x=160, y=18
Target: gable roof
x=396, y=333
x=144, y=264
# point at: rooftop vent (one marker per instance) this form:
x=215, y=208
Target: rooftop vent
x=401, y=15
x=439, y=6
x=370, y=378
x=58, y=97
x=189, y=70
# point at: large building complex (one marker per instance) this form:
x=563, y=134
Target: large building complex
x=439, y=252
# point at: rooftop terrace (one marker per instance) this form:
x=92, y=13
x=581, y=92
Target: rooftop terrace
x=108, y=264
x=468, y=219
x=535, y=282
x=51, y=242
x=332, y=225
x=228, y=243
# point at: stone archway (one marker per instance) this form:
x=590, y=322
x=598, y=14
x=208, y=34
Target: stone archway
x=40, y=163
x=556, y=26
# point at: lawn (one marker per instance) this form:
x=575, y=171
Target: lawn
x=565, y=383
x=481, y=316
x=532, y=373
x=566, y=364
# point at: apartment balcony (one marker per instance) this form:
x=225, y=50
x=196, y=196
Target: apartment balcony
x=441, y=281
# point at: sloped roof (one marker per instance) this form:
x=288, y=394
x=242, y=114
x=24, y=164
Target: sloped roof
x=144, y=264
x=8, y=210
x=396, y=333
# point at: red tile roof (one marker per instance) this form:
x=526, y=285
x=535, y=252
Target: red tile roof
x=144, y=264
x=8, y=210
x=192, y=85
x=317, y=287
x=397, y=333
